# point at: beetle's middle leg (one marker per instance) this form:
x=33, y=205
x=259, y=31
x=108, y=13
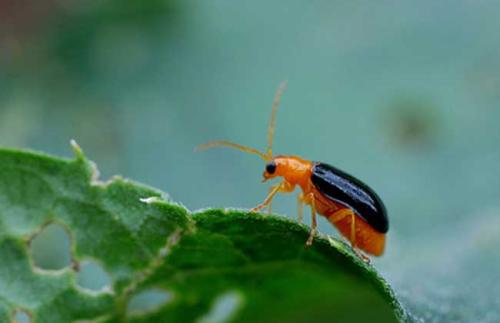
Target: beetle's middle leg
x=300, y=207
x=314, y=223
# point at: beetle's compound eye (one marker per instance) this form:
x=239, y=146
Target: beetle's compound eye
x=271, y=167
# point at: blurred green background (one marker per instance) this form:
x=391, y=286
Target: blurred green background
x=404, y=95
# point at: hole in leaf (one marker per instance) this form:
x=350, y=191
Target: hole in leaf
x=147, y=301
x=93, y=276
x=21, y=316
x=51, y=248
x=224, y=308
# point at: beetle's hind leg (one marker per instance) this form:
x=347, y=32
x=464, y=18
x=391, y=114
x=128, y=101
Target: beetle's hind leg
x=361, y=255
x=340, y=215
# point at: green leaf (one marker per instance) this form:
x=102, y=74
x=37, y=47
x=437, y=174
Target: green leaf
x=209, y=266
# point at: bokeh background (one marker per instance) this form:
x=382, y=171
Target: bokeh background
x=404, y=95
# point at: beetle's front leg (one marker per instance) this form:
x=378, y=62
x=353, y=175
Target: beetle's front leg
x=284, y=187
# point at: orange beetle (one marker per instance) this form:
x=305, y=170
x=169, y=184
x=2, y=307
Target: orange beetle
x=349, y=204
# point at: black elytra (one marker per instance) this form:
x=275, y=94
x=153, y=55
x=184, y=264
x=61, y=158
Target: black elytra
x=349, y=191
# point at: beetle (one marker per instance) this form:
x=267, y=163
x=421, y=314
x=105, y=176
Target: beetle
x=349, y=204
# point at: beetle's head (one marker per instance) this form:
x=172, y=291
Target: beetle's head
x=291, y=168
x=275, y=167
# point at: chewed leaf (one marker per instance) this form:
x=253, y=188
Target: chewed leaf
x=214, y=265
x=107, y=222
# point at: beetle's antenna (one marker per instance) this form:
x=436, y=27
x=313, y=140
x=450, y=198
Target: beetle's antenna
x=229, y=144
x=272, y=121
x=270, y=132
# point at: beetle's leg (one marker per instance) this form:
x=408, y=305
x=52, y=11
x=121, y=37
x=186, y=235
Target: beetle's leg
x=314, y=224
x=268, y=199
x=283, y=187
x=300, y=207
x=353, y=239
x=353, y=230
x=270, y=205
x=361, y=255
x=286, y=187
x=341, y=214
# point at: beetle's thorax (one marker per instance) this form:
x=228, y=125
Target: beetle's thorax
x=294, y=170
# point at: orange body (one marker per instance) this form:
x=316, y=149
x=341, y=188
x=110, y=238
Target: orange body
x=297, y=171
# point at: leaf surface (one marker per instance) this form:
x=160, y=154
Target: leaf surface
x=214, y=265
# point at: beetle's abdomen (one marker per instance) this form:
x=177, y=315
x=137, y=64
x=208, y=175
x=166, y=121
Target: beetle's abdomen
x=350, y=192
